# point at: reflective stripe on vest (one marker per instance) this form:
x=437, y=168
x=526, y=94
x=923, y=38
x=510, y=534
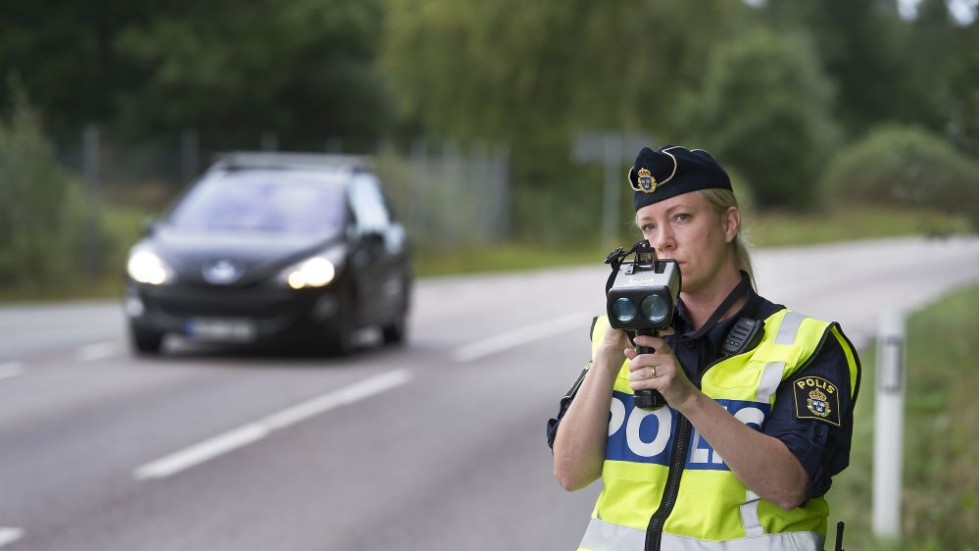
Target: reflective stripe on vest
x=712, y=505
x=606, y=536
x=772, y=375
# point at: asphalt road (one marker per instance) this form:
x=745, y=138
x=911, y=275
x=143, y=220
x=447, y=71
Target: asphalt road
x=438, y=445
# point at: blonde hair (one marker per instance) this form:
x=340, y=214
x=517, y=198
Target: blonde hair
x=721, y=200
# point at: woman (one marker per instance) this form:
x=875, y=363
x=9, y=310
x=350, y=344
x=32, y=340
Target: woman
x=746, y=448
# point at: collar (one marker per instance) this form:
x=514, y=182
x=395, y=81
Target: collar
x=685, y=327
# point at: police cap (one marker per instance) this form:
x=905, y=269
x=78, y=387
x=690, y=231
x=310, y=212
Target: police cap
x=672, y=170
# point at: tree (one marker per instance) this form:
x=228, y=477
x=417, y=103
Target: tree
x=920, y=71
x=63, y=51
x=858, y=45
x=939, y=88
x=536, y=74
x=766, y=109
x=302, y=68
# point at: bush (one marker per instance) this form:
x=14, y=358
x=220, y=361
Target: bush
x=47, y=233
x=905, y=166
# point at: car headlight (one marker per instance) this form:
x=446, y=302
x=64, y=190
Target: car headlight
x=147, y=267
x=312, y=272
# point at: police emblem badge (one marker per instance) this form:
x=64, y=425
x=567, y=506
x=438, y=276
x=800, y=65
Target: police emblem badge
x=817, y=398
x=646, y=181
x=817, y=403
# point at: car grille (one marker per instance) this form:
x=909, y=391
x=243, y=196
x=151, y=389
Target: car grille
x=256, y=303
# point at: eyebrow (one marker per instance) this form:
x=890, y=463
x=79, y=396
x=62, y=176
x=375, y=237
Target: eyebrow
x=667, y=212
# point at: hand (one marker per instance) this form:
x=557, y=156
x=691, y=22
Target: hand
x=659, y=370
x=613, y=342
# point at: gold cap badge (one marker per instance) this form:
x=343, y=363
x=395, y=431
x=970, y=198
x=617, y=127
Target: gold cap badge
x=646, y=181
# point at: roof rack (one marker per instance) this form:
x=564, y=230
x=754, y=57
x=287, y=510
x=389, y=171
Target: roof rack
x=266, y=159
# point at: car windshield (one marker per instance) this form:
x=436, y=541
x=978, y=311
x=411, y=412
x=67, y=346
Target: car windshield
x=267, y=202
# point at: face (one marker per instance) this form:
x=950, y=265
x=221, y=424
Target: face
x=687, y=229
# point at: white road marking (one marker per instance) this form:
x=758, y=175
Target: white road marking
x=95, y=351
x=10, y=369
x=9, y=535
x=253, y=432
x=518, y=337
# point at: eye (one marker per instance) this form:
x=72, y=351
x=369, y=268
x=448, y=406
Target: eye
x=682, y=217
x=647, y=228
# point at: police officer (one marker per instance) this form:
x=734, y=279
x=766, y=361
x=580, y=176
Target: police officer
x=745, y=450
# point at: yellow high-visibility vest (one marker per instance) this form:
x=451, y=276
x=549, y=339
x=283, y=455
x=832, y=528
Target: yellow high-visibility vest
x=712, y=509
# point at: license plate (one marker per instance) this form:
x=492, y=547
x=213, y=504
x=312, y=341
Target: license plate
x=227, y=330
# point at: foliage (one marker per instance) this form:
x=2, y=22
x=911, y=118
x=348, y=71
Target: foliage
x=503, y=69
x=938, y=82
x=47, y=230
x=301, y=68
x=63, y=50
x=852, y=40
x=939, y=499
x=920, y=72
x=754, y=82
x=905, y=166
x=766, y=110
x=537, y=75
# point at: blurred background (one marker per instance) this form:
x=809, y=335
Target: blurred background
x=485, y=117
x=502, y=131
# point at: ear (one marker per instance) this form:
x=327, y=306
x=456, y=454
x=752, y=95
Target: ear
x=731, y=222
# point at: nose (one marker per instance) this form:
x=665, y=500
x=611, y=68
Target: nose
x=663, y=241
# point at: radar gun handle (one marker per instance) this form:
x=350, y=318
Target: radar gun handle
x=648, y=398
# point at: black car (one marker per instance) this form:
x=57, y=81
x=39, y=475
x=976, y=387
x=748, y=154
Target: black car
x=273, y=247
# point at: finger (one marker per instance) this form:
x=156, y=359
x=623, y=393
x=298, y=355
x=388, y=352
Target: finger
x=657, y=345
x=643, y=384
x=641, y=364
x=643, y=373
x=636, y=365
x=648, y=341
x=643, y=340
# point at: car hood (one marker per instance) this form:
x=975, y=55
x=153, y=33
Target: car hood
x=234, y=259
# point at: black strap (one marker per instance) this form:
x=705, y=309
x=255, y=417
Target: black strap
x=738, y=292
x=615, y=260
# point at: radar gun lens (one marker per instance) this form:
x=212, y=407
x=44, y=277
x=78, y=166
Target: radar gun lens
x=655, y=309
x=624, y=310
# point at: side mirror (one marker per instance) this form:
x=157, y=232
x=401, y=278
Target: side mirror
x=149, y=226
x=374, y=238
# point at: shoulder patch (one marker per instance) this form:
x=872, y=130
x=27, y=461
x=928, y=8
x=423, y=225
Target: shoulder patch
x=817, y=398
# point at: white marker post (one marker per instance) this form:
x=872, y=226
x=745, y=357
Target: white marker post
x=889, y=425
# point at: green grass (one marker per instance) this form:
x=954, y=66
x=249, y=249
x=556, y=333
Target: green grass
x=772, y=229
x=939, y=498
x=847, y=223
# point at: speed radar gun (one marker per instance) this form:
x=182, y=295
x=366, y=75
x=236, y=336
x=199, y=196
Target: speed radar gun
x=641, y=296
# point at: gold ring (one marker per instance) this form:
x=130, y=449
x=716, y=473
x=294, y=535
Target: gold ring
x=654, y=370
